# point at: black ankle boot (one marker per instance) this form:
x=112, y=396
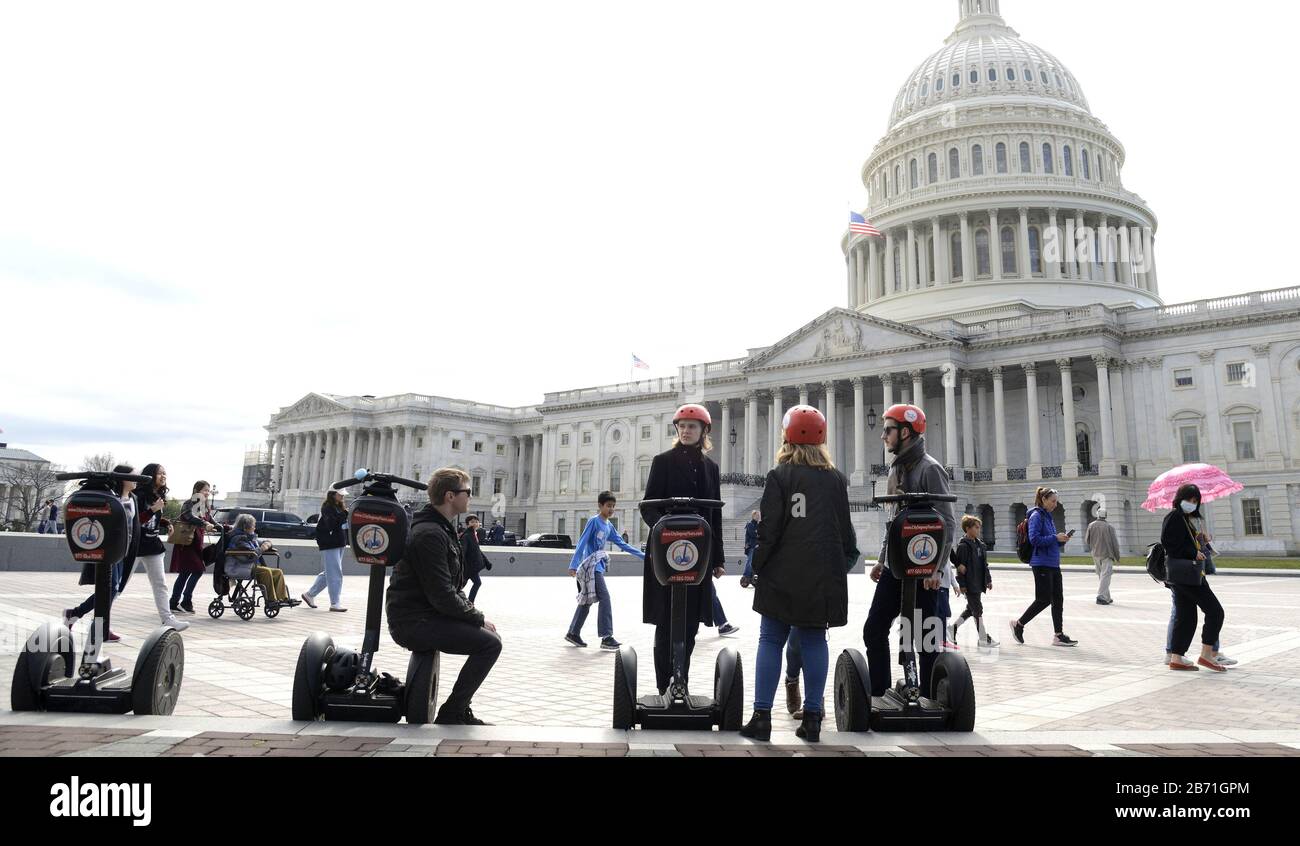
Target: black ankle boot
x=811, y=729
x=759, y=726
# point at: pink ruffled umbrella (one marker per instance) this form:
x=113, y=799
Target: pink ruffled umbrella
x=1213, y=482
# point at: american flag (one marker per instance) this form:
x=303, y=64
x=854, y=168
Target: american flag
x=636, y=362
x=859, y=225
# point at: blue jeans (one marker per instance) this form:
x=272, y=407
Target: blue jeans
x=331, y=577
x=604, y=617
x=943, y=610
x=749, y=564
x=1173, y=615
x=793, y=656
x=772, y=638
x=719, y=616
x=183, y=589
x=114, y=580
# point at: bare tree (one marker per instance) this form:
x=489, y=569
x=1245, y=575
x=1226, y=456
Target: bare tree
x=30, y=484
x=99, y=463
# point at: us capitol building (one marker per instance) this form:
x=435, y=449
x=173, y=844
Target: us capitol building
x=1012, y=293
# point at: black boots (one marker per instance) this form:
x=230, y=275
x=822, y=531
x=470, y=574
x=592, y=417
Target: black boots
x=759, y=726
x=811, y=728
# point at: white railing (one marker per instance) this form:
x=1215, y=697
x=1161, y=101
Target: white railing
x=1218, y=307
x=980, y=184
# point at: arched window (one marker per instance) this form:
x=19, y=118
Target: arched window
x=956, y=80
x=1035, y=250
x=1029, y=75
x=616, y=474
x=1084, y=444
x=954, y=163
x=1008, y=251
x=1026, y=163
x=1000, y=153
x=1011, y=74
x=974, y=76
x=925, y=88
x=977, y=161
x=1049, y=162
x=938, y=84
x=982, y=253
x=1058, y=80
x=954, y=249
x=1068, y=156
x=932, y=169
x=1083, y=159
x=993, y=74
x=912, y=168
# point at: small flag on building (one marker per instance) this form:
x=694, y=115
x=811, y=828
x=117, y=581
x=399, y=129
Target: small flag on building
x=859, y=225
x=636, y=362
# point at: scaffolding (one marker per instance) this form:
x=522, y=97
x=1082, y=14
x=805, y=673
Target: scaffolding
x=257, y=470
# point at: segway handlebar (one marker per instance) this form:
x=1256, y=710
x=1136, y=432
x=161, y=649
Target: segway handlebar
x=686, y=502
x=916, y=497
x=364, y=476
x=104, y=476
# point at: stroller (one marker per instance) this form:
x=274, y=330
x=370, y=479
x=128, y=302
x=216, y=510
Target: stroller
x=232, y=578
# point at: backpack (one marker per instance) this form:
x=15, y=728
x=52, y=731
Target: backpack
x=1156, y=563
x=1024, y=549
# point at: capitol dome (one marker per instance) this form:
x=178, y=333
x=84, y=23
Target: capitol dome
x=996, y=191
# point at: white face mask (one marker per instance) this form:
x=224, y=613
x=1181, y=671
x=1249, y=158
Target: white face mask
x=1188, y=507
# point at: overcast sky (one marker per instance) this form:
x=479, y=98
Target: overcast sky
x=210, y=210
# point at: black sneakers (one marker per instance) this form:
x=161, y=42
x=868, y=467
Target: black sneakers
x=574, y=639
x=1063, y=639
x=609, y=644
x=464, y=718
x=1018, y=632
x=727, y=629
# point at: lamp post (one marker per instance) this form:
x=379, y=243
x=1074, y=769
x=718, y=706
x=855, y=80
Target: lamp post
x=732, y=437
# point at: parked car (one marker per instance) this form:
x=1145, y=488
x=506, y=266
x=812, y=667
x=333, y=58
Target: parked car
x=270, y=524
x=541, y=541
x=508, y=539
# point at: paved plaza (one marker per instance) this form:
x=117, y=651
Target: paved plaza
x=1111, y=695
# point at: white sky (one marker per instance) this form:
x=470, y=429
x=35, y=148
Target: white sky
x=209, y=210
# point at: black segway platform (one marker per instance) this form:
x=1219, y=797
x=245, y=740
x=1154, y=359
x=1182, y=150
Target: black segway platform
x=679, y=549
x=97, y=532
x=333, y=683
x=913, y=549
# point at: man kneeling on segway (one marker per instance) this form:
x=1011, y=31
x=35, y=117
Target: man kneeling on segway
x=426, y=606
x=913, y=471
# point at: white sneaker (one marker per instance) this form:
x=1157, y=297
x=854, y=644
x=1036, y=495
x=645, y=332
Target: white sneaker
x=306, y=598
x=1220, y=658
x=178, y=625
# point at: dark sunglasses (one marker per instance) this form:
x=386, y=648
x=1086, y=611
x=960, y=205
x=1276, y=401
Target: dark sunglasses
x=463, y=491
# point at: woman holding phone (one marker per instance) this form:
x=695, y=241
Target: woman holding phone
x=1046, y=564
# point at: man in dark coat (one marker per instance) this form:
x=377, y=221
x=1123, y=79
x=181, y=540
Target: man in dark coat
x=475, y=561
x=683, y=471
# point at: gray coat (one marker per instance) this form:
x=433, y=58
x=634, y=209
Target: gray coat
x=916, y=471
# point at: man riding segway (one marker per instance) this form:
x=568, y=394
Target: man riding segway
x=913, y=471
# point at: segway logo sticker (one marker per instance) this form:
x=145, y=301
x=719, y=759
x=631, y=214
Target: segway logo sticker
x=373, y=539
x=922, y=550
x=87, y=533
x=683, y=555
x=909, y=416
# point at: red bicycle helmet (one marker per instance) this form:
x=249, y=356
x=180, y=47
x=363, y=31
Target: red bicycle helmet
x=909, y=416
x=804, y=425
x=694, y=412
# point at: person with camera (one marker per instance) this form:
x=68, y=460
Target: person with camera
x=426, y=605
x=152, y=498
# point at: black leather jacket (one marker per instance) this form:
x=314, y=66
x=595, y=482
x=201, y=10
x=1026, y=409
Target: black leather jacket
x=428, y=579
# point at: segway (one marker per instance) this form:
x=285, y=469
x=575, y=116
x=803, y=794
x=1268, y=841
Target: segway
x=98, y=532
x=913, y=545
x=679, y=549
x=334, y=683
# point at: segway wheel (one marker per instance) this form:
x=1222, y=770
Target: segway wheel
x=852, y=692
x=216, y=608
x=625, y=689
x=47, y=655
x=271, y=609
x=158, y=681
x=730, y=697
x=421, y=688
x=952, y=687
x=245, y=608
x=309, y=676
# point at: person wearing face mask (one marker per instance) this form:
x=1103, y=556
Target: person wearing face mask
x=1185, y=569
x=913, y=471
x=683, y=471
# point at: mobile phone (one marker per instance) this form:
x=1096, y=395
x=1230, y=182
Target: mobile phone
x=1070, y=533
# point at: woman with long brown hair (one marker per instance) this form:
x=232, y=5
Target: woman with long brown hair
x=331, y=539
x=1046, y=564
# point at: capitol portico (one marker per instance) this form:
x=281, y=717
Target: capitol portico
x=1012, y=293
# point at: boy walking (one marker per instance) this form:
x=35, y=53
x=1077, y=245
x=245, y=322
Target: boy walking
x=588, y=567
x=973, y=578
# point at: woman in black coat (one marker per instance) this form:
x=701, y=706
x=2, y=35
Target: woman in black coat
x=683, y=471
x=1185, y=570
x=331, y=540
x=806, y=547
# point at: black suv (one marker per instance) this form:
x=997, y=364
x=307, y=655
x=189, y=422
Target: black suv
x=548, y=541
x=270, y=524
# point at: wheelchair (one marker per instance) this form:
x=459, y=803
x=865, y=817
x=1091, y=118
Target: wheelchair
x=232, y=579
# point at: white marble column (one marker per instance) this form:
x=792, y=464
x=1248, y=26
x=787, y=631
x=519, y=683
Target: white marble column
x=308, y=460
x=1119, y=412
x=913, y=273
x=967, y=423
x=995, y=246
x=1108, y=452
x=1053, y=236
x=1213, y=412
x=999, y=426
x=1108, y=253
x=1071, y=462
x=1270, y=442
x=1125, y=258
x=408, y=453
x=301, y=466
x=1071, y=250
x=889, y=263
x=1033, y=421
x=983, y=451
x=887, y=382
x=1136, y=376
x=803, y=395
x=751, y=433
x=1026, y=266
x=724, y=438
x=851, y=267
x=874, y=287
x=968, y=266
x=778, y=412
x=535, y=483
x=950, y=456
x=942, y=267
x=860, y=468
x=918, y=388
x=351, y=460
x=832, y=429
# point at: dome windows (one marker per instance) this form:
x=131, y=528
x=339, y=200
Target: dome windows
x=1011, y=74
x=993, y=74
x=932, y=169
x=938, y=84
x=1026, y=161
x=1029, y=75
x=1035, y=250
x=982, y=253
x=1058, y=80
x=1083, y=160
x=1000, y=153
x=1068, y=157
x=975, y=76
x=1008, y=238
x=954, y=163
x=954, y=250
x=1049, y=161
x=977, y=161
x=956, y=80
x=1043, y=75
x=913, y=172
x=925, y=89
x=1101, y=172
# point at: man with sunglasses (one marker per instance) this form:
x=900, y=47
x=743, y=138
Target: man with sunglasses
x=426, y=606
x=913, y=471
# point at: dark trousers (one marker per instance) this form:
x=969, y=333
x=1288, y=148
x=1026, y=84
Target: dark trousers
x=664, y=647
x=115, y=580
x=1048, y=590
x=1187, y=598
x=185, y=583
x=455, y=637
x=885, y=606
x=974, y=604
x=478, y=583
